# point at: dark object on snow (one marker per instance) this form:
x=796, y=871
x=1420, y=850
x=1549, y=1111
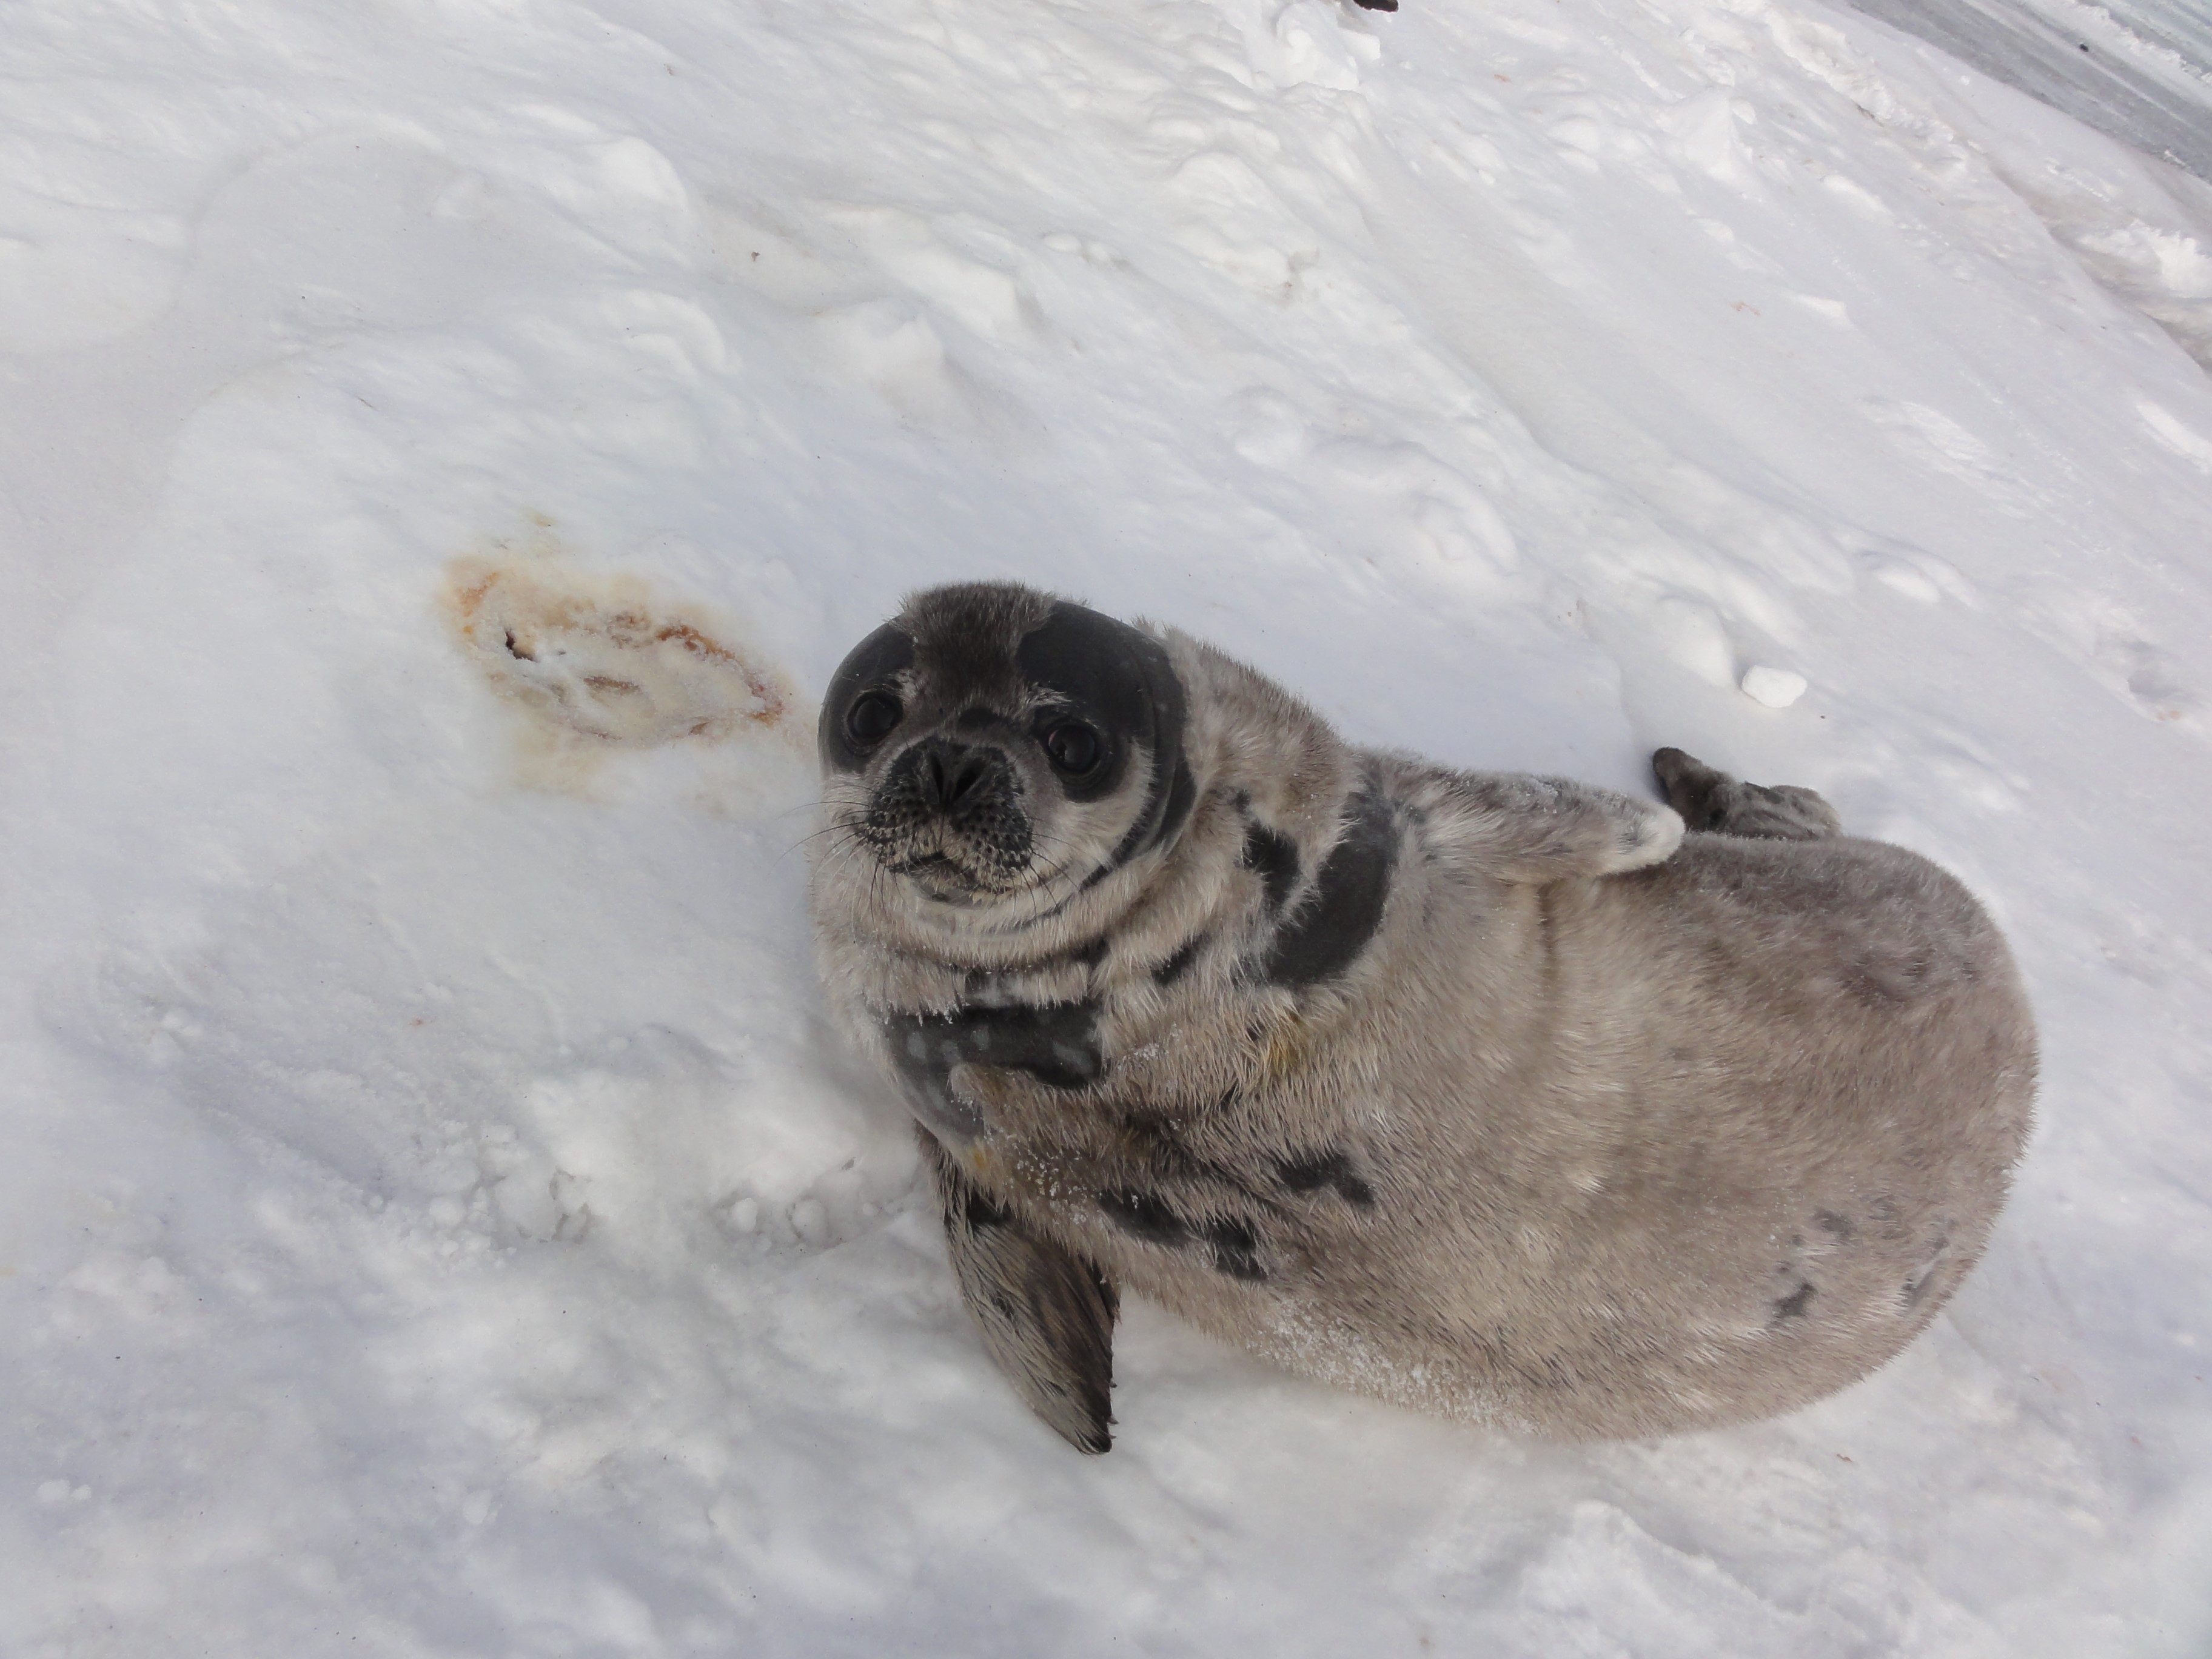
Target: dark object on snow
x=1499, y=1095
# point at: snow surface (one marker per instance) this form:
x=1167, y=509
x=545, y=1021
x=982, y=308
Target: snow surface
x=434, y=1220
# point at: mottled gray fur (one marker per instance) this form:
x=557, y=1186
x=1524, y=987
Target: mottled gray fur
x=1494, y=1095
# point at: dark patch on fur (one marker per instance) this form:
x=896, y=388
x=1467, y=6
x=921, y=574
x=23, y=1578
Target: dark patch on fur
x=1793, y=1305
x=1345, y=906
x=1274, y=855
x=1235, y=1244
x=873, y=665
x=980, y=1209
x=1231, y=1241
x=1180, y=963
x=1182, y=796
x=1082, y=662
x=1058, y=1045
x=1156, y=1138
x=1120, y=683
x=1310, y=1172
x=1837, y=1226
x=1162, y=820
x=1146, y=1216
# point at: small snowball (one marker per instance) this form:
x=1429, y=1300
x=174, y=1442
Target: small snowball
x=1778, y=688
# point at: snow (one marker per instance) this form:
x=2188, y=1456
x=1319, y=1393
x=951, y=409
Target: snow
x=437, y=1220
x=1778, y=688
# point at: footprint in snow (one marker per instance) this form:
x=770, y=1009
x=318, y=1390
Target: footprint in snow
x=2147, y=676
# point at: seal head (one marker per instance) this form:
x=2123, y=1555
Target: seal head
x=992, y=746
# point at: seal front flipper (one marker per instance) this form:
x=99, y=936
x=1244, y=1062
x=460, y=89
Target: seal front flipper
x=1528, y=829
x=1047, y=1314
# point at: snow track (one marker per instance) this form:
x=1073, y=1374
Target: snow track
x=435, y=1219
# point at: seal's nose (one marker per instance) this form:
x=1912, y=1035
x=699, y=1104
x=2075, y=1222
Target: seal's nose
x=948, y=774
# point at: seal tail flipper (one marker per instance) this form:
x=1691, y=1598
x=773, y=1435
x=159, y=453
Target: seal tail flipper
x=1047, y=1314
x=1715, y=802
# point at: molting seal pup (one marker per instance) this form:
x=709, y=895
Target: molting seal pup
x=1497, y=1096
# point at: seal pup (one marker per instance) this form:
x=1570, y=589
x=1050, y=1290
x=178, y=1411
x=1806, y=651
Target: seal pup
x=1494, y=1095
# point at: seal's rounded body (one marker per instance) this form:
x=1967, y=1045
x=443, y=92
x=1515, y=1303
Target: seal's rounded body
x=1493, y=1095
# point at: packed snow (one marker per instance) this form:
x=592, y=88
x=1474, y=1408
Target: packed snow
x=448, y=442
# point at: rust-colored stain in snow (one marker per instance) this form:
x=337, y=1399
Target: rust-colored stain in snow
x=600, y=659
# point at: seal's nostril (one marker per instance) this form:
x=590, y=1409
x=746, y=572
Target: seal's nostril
x=970, y=773
x=949, y=776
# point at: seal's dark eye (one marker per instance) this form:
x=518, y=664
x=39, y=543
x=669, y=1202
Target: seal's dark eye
x=1074, y=749
x=871, y=718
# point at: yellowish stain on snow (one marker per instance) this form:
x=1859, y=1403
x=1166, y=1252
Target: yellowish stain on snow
x=596, y=662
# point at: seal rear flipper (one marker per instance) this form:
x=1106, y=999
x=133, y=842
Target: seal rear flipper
x=1047, y=1314
x=1713, y=801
